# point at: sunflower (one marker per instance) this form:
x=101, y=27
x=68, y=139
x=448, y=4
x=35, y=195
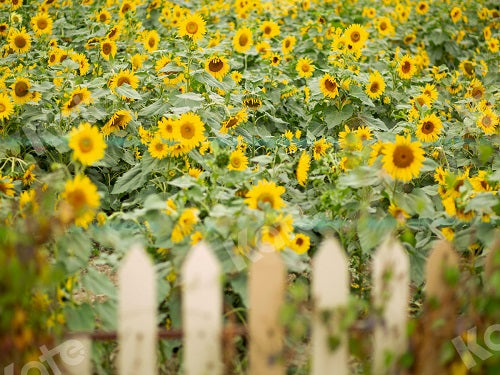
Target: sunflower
x=4, y=27
x=157, y=148
x=217, y=66
x=475, y=90
x=303, y=168
x=429, y=128
x=376, y=86
x=264, y=49
x=456, y=14
x=406, y=67
x=6, y=106
x=300, y=243
x=287, y=44
x=328, y=86
x=114, y=32
x=398, y=213
x=430, y=91
x=468, y=68
x=137, y=60
x=350, y=140
x=237, y=161
x=193, y=26
x=422, y=7
x=118, y=121
x=41, y=24
x=6, y=186
x=124, y=76
x=278, y=233
x=151, y=40
x=376, y=151
x=384, y=26
x=189, y=132
x=364, y=133
x=28, y=176
x=171, y=77
x=21, y=91
x=126, y=7
x=320, y=147
x=265, y=193
x=275, y=59
x=87, y=144
x=403, y=159
x=108, y=48
x=77, y=97
x=166, y=128
x=487, y=121
x=409, y=39
x=20, y=40
x=242, y=40
x=103, y=16
x=305, y=67
x=269, y=29
x=81, y=199
x=252, y=102
x=493, y=45
x=356, y=35
x=234, y=121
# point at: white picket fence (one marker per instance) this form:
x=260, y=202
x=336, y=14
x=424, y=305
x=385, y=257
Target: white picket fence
x=203, y=316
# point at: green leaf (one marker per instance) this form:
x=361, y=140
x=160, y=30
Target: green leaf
x=98, y=283
x=361, y=176
x=130, y=180
x=127, y=91
x=80, y=318
x=334, y=118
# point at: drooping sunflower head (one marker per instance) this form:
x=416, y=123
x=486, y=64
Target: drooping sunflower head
x=217, y=66
x=468, y=68
x=252, y=102
x=118, y=121
x=79, y=96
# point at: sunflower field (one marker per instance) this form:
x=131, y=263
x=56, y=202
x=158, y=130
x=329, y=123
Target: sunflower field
x=238, y=122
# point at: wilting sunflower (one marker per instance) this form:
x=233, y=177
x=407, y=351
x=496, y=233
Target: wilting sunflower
x=407, y=67
x=320, y=147
x=328, y=86
x=118, y=121
x=193, y=26
x=303, y=168
x=456, y=14
x=305, y=67
x=242, y=40
x=82, y=61
x=300, y=243
x=189, y=131
x=20, y=40
x=77, y=97
x=6, y=186
x=376, y=87
x=269, y=29
x=287, y=44
x=487, y=121
x=151, y=40
x=87, y=144
x=42, y=24
x=237, y=161
x=217, y=66
x=123, y=76
x=265, y=192
x=278, y=233
x=80, y=200
x=6, y=106
x=166, y=128
x=252, y=102
x=234, y=121
x=114, y=32
x=403, y=159
x=157, y=148
x=429, y=128
x=21, y=91
x=108, y=48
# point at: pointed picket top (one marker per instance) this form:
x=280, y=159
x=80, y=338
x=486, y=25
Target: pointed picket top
x=137, y=329
x=391, y=269
x=266, y=288
x=442, y=256
x=330, y=290
x=202, y=312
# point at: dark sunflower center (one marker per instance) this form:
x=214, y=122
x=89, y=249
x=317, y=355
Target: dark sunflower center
x=192, y=27
x=266, y=198
x=86, y=145
x=232, y=122
x=383, y=26
x=236, y=162
x=403, y=156
x=427, y=127
x=243, y=40
x=112, y=33
x=75, y=100
x=42, y=23
x=77, y=199
x=159, y=147
x=330, y=85
x=299, y=241
x=275, y=59
x=477, y=93
x=151, y=42
x=406, y=67
x=122, y=80
x=355, y=36
x=267, y=30
x=468, y=68
x=102, y=17
x=20, y=41
x=374, y=87
x=106, y=48
x=21, y=89
x=2, y=108
x=215, y=65
x=486, y=121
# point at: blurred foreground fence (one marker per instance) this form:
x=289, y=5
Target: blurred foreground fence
x=203, y=328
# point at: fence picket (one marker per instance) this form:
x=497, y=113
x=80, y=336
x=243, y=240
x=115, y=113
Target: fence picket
x=391, y=297
x=76, y=355
x=202, y=312
x=330, y=288
x=266, y=287
x=137, y=321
